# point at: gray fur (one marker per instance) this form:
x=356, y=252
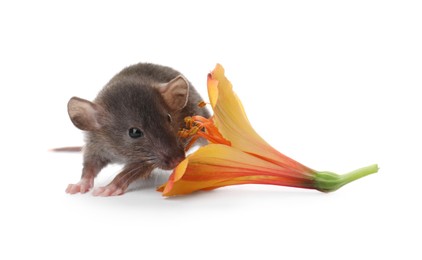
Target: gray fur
x=135, y=98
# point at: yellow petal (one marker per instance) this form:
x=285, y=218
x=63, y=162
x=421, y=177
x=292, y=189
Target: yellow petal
x=232, y=122
x=212, y=89
x=180, y=169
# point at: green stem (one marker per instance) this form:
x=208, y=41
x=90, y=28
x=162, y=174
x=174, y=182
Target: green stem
x=329, y=181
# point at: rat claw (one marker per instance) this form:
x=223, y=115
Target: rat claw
x=75, y=188
x=83, y=186
x=84, y=189
x=70, y=189
x=117, y=192
x=98, y=191
x=109, y=190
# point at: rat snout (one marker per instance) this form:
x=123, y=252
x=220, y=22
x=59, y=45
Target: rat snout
x=169, y=161
x=175, y=161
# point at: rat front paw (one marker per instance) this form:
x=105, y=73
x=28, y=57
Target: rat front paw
x=83, y=186
x=109, y=190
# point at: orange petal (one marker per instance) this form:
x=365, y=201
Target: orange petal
x=217, y=165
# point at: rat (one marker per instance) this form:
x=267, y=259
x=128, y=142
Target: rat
x=134, y=121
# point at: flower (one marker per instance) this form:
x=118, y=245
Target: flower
x=238, y=155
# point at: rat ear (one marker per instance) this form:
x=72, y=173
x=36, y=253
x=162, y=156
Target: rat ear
x=175, y=92
x=84, y=114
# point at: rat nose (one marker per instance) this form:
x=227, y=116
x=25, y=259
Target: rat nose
x=170, y=162
x=175, y=161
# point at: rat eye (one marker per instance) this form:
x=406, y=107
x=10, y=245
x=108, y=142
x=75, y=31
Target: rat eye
x=135, y=133
x=169, y=118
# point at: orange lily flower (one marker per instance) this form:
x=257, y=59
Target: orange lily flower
x=238, y=155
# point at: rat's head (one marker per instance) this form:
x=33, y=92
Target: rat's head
x=135, y=122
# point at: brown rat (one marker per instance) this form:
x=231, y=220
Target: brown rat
x=134, y=120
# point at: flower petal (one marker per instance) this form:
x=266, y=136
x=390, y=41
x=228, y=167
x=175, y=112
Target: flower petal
x=217, y=165
x=232, y=122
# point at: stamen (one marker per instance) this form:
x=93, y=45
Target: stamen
x=198, y=126
x=202, y=104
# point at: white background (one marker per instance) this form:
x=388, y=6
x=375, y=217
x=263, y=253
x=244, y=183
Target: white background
x=332, y=84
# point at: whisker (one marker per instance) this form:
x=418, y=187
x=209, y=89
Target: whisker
x=137, y=174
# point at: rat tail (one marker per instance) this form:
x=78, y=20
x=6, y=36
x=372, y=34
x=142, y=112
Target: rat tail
x=67, y=149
